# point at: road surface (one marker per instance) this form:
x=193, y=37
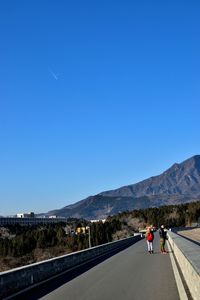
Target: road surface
x=132, y=274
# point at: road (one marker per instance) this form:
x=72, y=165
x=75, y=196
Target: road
x=132, y=274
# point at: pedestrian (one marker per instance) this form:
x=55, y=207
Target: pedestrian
x=149, y=238
x=163, y=238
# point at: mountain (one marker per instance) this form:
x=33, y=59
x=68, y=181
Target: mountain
x=179, y=184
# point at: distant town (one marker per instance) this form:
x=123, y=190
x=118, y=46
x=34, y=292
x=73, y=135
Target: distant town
x=31, y=219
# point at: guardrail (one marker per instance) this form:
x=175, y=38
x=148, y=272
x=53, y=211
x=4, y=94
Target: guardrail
x=18, y=279
x=187, y=254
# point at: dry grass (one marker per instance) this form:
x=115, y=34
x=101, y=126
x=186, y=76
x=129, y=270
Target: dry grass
x=193, y=234
x=9, y=262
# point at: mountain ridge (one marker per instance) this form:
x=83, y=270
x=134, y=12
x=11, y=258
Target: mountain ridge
x=178, y=184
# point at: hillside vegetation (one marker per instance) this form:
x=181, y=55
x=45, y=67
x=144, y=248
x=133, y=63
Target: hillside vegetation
x=21, y=245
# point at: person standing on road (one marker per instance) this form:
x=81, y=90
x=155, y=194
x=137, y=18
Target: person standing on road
x=163, y=237
x=149, y=237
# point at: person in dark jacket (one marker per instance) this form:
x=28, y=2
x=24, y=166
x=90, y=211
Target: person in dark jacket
x=163, y=237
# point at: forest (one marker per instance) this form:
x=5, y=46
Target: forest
x=20, y=245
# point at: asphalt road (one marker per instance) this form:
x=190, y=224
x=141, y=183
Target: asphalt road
x=132, y=274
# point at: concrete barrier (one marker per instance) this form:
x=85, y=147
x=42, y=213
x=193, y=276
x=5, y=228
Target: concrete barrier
x=18, y=279
x=188, y=258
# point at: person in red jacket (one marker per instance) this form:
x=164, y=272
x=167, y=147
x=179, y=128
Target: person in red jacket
x=149, y=238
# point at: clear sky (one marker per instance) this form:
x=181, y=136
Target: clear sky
x=94, y=95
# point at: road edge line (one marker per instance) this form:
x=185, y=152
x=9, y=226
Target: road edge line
x=179, y=283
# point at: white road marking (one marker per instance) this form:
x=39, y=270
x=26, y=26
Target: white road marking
x=179, y=283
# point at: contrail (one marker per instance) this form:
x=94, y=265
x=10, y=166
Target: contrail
x=55, y=76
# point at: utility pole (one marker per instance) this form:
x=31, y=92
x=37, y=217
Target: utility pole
x=89, y=236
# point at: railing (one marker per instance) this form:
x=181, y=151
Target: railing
x=187, y=254
x=18, y=279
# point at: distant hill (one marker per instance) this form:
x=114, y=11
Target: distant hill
x=179, y=184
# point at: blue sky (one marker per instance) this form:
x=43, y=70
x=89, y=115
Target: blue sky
x=94, y=95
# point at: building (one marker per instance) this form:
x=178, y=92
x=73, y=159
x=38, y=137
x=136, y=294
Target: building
x=26, y=215
x=96, y=221
x=29, y=221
